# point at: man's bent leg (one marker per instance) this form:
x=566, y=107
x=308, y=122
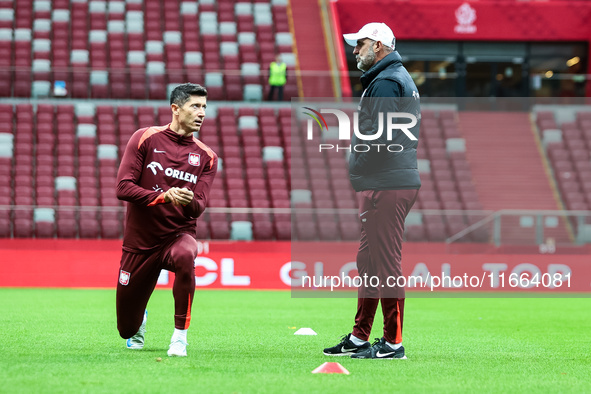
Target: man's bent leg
x=138, y=275
x=181, y=260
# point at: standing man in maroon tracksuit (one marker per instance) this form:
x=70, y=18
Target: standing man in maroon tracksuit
x=165, y=175
x=387, y=183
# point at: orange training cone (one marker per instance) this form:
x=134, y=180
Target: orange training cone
x=331, y=368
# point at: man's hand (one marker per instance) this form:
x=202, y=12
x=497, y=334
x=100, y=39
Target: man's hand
x=178, y=196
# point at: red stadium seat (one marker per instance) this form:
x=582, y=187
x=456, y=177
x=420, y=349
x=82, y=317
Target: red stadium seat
x=110, y=228
x=306, y=231
x=66, y=225
x=23, y=228
x=44, y=229
x=220, y=230
x=283, y=230
x=328, y=230
x=415, y=234
x=4, y=227
x=89, y=228
x=202, y=230
x=263, y=230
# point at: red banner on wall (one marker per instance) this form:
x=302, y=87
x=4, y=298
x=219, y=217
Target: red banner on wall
x=269, y=265
x=95, y=263
x=472, y=20
x=320, y=267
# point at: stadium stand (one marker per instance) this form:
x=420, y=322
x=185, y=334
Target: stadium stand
x=111, y=49
x=61, y=159
x=567, y=148
x=264, y=165
x=82, y=175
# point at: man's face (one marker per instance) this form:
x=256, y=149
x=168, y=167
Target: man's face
x=191, y=114
x=364, y=54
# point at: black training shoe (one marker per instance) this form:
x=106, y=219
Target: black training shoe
x=346, y=348
x=380, y=349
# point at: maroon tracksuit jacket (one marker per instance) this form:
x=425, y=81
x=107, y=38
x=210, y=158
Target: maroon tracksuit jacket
x=156, y=159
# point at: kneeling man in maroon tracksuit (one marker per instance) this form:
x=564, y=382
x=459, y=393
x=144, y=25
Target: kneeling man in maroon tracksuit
x=165, y=175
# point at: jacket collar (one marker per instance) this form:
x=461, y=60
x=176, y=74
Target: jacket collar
x=380, y=66
x=179, y=139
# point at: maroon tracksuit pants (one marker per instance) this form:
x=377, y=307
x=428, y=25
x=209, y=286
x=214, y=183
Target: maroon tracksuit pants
x=382, y=214
x=138, y=276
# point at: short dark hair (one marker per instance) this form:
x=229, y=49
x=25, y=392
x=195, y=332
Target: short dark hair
x=182, y=93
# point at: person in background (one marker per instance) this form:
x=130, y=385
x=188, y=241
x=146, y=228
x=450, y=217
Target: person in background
x=277, y=78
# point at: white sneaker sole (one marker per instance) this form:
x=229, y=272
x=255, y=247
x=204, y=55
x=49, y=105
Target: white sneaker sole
x=173, y=354
x=338, y=355
x=177, y=349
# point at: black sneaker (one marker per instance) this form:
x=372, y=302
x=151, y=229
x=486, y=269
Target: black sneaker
x=346, y=347
x=380, y=349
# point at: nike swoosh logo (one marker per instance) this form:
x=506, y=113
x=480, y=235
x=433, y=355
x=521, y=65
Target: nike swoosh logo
x=343, y=350
x=381, y=355
x=159, y=151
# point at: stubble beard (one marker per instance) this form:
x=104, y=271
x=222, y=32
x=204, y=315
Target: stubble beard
x=364, y=63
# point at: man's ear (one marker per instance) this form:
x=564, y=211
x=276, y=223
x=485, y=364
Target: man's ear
x=175, y=109
x=379, y=46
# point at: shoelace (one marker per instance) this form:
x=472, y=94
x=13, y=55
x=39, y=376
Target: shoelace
x=377, y=341
x=344, y=339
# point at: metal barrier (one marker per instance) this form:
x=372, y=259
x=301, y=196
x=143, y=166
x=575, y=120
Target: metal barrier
x=544, y=228
x=548, y=228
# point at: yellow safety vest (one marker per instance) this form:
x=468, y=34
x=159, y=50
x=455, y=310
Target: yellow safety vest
x=277, y=74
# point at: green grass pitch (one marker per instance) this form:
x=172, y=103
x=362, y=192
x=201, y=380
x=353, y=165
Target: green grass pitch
x=242, y=341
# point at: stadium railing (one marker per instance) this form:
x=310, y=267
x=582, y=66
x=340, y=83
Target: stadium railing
x=532, y=227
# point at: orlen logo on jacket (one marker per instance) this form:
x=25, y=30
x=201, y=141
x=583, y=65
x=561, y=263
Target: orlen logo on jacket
x=171, y=172
x=344, y=128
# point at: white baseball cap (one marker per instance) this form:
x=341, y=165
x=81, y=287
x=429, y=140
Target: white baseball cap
x=374, y=31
